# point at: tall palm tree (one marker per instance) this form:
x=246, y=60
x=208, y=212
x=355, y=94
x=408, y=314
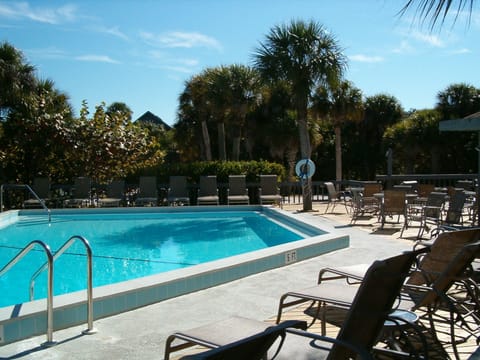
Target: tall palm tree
x=16, y=76
x=194, y=99
x=339, y=105
x=306, y=55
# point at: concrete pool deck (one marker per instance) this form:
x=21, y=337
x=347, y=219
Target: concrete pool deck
x=141, y=333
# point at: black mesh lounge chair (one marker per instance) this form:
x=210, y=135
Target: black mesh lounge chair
x=41, y=187
x=426, y=289
x=208, y=191
x=81, y=193
x=368, y=312
x=269, y=192
x=115, y=194
x=178, y=193
x=237, y=190
x=148, y=192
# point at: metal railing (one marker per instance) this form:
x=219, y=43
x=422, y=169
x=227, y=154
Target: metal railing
x=24, y=186
x=49, y=264
x=61, y=250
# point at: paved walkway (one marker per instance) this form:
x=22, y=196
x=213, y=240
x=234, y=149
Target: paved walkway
x=141, y=334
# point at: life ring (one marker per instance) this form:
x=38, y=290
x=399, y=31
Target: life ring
x=305, y=168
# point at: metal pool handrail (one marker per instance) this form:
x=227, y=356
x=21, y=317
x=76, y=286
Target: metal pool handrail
x=23, y=186
x=49, y=264
x=61, y=250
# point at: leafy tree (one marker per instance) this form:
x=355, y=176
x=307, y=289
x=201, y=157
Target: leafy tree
x=340, y=104
x=111, y=146
x=458, y=101
x=305, y=55
x=119, y=108
x=17, y=79
x=37, y=136
x=380, y=112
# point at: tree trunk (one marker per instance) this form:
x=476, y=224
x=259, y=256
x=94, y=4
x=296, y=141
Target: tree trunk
x=305, y=152
x=206, y=141
x=338, y=153
x=222, y=150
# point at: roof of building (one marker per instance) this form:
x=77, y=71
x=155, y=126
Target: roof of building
x=149, y=117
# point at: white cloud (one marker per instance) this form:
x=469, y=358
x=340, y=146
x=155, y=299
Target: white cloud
x=114, y=31
x=178, y=39
x=461, y=51
x=23, y=10
x=97, y=58
x=366, y=58
x=403, y=48
x=166, y=61
x=430, y=39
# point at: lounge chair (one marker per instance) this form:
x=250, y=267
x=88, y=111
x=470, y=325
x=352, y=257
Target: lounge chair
x=41, y=187
x=148, y=192
x=237, y=190
x=426, y=213
x=426, y=289
x=358, y=335
x=224, y=332
x=115, y=194
x=208, y=191
x=81, y=193
x=178, y=192
x=269, y=192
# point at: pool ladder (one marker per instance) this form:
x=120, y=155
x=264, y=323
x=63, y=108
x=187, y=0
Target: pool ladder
x=24, y=186
x=49, y=265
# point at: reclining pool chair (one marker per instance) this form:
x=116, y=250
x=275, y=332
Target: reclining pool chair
x=178, y=193
x=237, y=190
x=41, y=187
x=81, y=193
x=115, y=194
x=208, y=191
x=426, y=288
x=268, y=192
x=358, y=335
x=148, y=192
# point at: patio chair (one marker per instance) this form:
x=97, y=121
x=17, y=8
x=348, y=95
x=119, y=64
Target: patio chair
x=394, y=202
x=41, y=187
x=208, y=191
x=148, y=192
x=237, y=190
x=268, y=192
x=428, y=287
x=178, y=192
x=429, y=213
x=115, y=194
x=229, y=336
x=335, y=197
x=81, y=193
x=454, y=214
x=369, y=202
x=369, y=310
x=253, y=347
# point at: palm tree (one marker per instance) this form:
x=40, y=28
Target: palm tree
x=437, y=9
x=16, y=76
x=340, y=104
x=193, y=103
x=306, y=55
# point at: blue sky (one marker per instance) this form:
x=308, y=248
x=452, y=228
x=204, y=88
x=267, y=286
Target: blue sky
x=142, y=52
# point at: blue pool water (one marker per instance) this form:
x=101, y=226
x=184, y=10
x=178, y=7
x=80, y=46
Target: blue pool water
x=130, y=245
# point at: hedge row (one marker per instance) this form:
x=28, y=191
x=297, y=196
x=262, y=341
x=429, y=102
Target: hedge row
x=252, y=170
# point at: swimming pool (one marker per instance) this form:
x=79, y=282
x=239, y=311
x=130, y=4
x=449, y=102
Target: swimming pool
x=141, y=252
x=133, y=245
